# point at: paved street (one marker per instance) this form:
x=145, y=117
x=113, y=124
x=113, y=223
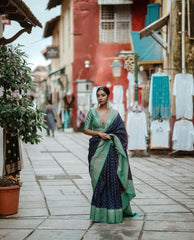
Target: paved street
x=56, y=193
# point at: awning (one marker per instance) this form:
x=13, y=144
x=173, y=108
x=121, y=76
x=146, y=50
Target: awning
x=114, y=2
x=61, y=70
x=49, y=27
x=148, y=50
x=17, y=10
x=154, y=26
x=53, y=3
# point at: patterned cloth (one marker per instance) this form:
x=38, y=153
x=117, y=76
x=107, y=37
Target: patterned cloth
x=109, y=169
x=13, y=156
x=160, y=96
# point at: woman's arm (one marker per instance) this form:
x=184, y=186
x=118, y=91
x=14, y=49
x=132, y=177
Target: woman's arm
x=102, y=135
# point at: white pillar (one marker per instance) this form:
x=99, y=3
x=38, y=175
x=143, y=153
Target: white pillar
x=183, y=36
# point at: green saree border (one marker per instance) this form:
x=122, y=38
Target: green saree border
x=101, y=153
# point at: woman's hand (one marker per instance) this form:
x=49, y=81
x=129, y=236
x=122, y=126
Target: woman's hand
x=104, y=136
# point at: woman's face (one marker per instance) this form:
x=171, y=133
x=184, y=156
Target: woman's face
x=102, y=97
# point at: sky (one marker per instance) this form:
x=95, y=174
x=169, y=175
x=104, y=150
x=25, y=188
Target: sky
x=34, y=42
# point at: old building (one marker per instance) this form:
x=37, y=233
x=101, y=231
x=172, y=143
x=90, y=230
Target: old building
x=87, y=35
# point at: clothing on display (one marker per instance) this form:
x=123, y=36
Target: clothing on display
x=183, y=89
x=159, y=98
x=110, y=87
x=183, y=135
x=1, y=142
x=94, y=98
x=120, y=108
x=137, y=130
x=118, y=94
x=160, y=134
x=13, y=155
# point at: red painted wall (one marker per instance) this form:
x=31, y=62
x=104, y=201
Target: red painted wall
x=100, y=55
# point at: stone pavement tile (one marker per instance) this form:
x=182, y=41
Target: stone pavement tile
x=129, y=229
x=29, y=184
x=31, y=212
x=57, y=204
x=26, y=187
x=29, y=204
x=69, y=211
x=57, y=235
x=154, y=201
x=25, y=223
x=67, y=197
x=62, y=182
x=31, y=198
x=170, y=217
x=67, y=224
x=148, y=235
x=10, y=234
x=80, y=217
x=163, y=208
x=36, y=193
x=64, y=189
x=82, y=182
x=122, y=234
x=169, y=226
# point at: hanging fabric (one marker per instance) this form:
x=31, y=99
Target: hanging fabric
x=137, y=130
x=159, y=134
x=1, y=143
x=94, y=98
x=183, y=135
x=159, y=97
x=183, y=89
x=118, y=100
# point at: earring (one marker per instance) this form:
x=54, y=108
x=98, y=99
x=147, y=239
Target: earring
x=108, y=105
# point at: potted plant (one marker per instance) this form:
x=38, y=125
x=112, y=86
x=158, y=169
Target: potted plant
x=9, y=195
x=18, y=118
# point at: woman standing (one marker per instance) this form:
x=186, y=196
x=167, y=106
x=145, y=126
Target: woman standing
x=50, y=118
x=108, y=163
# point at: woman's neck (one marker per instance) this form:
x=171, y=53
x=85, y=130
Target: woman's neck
x=103, y=107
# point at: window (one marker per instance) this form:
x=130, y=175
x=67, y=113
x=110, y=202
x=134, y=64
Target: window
x=115, y=23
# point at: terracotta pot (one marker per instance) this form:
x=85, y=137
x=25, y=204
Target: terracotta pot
x=9, y=200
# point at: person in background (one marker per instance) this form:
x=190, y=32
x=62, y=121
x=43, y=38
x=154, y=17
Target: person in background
x=50, y=118
x=108, y=162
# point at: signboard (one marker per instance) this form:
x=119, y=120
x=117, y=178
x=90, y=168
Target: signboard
x=113, y=2
x=52, y=52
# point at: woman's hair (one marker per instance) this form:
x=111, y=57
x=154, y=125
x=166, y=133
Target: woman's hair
x=49, y=101
x=105, y=89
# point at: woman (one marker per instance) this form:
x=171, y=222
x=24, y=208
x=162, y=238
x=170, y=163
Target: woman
x=50, y=118
x=108, y=163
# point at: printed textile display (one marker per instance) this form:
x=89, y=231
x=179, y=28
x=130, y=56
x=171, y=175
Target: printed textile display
x=159, y=98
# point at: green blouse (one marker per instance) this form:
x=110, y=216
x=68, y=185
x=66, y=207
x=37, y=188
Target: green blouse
x=94, y=122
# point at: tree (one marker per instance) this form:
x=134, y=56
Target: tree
x=16, y=110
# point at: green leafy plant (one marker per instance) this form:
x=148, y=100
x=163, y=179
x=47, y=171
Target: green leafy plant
x=16, y=110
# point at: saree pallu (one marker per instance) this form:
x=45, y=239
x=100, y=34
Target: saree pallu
x=110, y=175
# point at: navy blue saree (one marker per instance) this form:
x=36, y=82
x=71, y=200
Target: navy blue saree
x=109, y=169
